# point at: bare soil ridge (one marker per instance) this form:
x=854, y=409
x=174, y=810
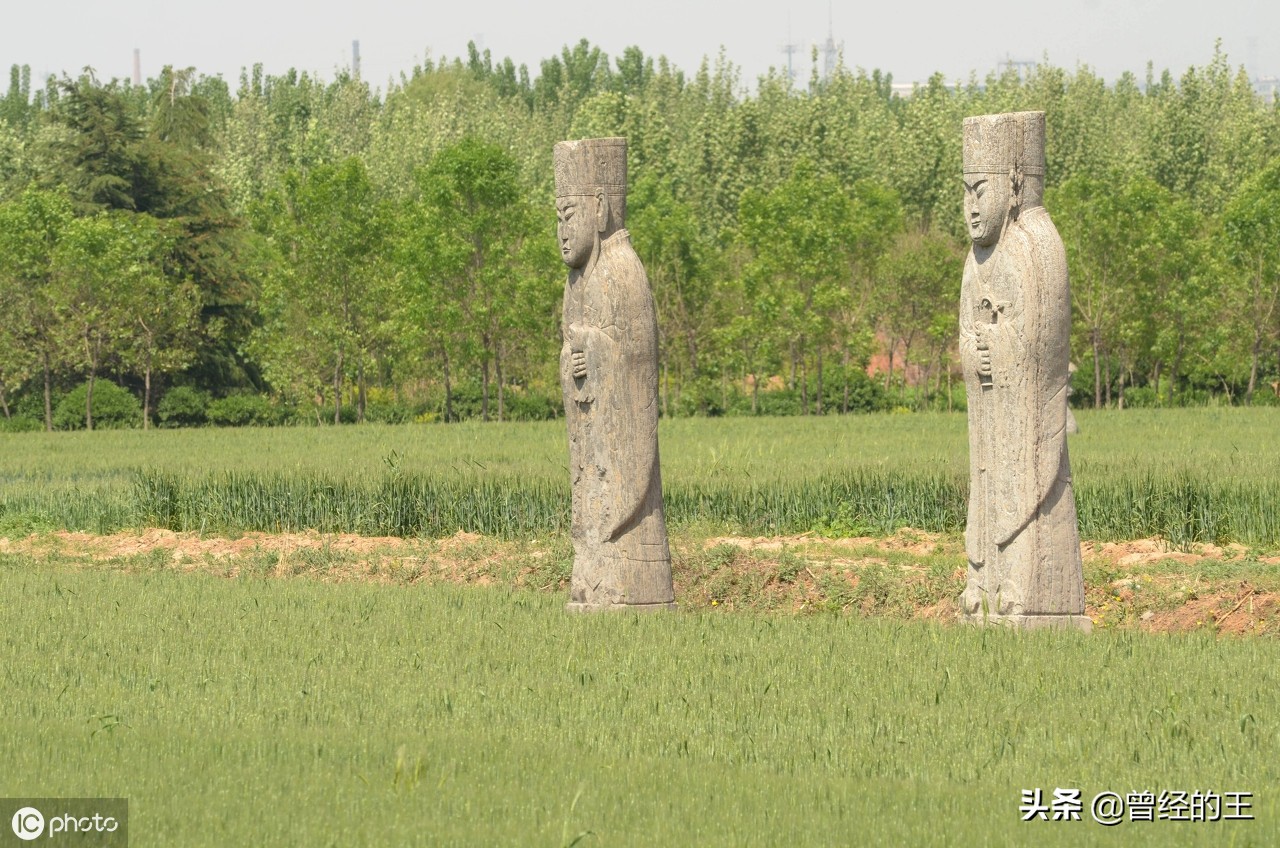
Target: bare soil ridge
x=1142, y=584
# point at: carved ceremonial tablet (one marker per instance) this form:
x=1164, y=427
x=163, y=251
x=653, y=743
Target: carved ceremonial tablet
x=609, y=374
x=1015, y=322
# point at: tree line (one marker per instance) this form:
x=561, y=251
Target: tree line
x=302, y=249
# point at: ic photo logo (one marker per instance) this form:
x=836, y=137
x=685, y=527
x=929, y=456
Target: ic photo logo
x=69, y=822
x=28, y=823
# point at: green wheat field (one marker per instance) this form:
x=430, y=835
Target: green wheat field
x=255, y=710
x=1206, y=475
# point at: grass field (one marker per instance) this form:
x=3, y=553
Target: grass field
x=292, y=691
x=1184, y=475
x=293, y=712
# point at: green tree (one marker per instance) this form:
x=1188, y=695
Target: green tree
x=1107, y=226
x=920, y=276
x=1251, y=224
x=475, y=230
x=676, y=259
x=31, y=227
x=164, y=330
x=804, y=238
x=1169, y=311
x=208, y=243
x=324, y=301
x=16, y=108
x=573, y=76
x=103, y=265
x=101, y=163
x=1171, y=299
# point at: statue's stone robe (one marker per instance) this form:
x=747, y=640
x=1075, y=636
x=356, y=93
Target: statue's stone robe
x=621, y=556
x=1021, y=538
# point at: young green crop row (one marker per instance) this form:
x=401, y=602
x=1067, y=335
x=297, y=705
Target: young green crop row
x=1177, y=507
x=1184, y=475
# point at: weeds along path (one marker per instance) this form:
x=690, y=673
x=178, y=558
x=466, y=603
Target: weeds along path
x=1143, y=584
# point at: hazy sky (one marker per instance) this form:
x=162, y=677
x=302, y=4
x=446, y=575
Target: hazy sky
x=909, y=39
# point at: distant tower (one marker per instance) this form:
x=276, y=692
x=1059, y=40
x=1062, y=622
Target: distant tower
x=791, y=48
x=137, y=66
x=1021, y=66
x=355, y=58
x=830, y=50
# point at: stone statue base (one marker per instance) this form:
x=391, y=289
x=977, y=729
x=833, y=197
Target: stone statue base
x=1033, y=622
x=579, y=607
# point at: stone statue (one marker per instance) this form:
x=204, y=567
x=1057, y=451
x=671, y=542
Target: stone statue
x=1072, y=427
x=609, y=374
x=1015, y=321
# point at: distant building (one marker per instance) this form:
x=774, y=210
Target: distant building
x=1267, y=88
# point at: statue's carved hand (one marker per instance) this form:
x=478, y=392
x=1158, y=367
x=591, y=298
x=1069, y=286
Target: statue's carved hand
x=984, y=362
x=984, y=334
x=577, y=350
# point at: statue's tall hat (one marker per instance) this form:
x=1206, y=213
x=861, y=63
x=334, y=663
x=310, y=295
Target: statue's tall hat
x=589, y=166
x=1011, y=143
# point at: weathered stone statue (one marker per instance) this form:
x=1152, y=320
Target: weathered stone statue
x=1015, y=320
x=609, y=374
x=1072, y=427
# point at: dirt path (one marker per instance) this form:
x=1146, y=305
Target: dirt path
x=1140, y=584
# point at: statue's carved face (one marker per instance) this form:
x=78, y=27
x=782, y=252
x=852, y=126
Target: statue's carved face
x=986, y=205
x=576, y=229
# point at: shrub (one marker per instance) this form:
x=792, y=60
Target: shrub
x=385, y=406
x=779, y=402
x=1193, y=397
x=26, y=412
x=183, y=406
x=865, y=394
x=389, y=413
x=20, y=424
x=526, y=405
x=246, y=411
x=31, y=404
x=959, y=401
x=466, y=399
x=1264, y=396
x=702, y=396
x=1141, y=397
x=114, y=408
x=769, y=402
x=321, y=415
